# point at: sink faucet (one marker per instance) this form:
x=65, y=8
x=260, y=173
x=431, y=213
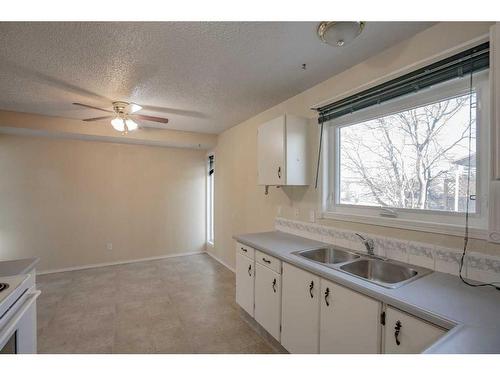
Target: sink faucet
x=369, y=244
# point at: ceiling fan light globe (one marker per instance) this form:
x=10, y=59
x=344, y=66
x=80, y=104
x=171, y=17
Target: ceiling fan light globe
x=118, y=124
x=131, y=124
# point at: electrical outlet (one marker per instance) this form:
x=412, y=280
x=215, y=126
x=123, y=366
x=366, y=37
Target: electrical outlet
x=312, y=216
x=296, y=212
x=109, y=246
x=279, y=211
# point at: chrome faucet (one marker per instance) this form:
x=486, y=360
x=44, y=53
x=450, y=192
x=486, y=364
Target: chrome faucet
x=369, y=244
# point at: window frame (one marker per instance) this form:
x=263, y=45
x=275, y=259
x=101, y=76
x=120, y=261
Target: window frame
x=210, y=201
x=427, y=220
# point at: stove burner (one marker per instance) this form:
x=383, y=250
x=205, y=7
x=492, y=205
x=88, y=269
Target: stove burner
x=3, y=286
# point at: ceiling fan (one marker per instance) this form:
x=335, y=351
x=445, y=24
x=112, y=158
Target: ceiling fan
x=123, y=116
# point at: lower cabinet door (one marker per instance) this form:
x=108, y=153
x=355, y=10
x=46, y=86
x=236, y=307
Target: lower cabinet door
x=268, y=299
x=300, y=310
x=407, y=334
x=349, y=321
x=245, y=276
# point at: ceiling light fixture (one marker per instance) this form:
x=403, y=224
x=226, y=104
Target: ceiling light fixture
x=338, y=34
x=122, y=116
x=131, y=124
x=123, y=124
x=118, y=124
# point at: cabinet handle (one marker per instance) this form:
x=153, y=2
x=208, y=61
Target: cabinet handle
x=245, y=250
x=266, y=260
x=397, y=331
x=311, y=286
x=250, y=270
x=274, y=285
x=279, y=172
x=327, y=294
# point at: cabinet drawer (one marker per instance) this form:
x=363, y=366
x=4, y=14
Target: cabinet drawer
x=268, y=261
x=245, y=250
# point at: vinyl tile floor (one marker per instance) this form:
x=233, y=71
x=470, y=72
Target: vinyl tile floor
x=183, y=304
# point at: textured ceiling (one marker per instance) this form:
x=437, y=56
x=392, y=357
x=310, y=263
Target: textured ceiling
x=204, y=76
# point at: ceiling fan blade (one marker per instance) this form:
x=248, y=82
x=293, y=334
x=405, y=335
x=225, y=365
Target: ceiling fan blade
x=152, y=118
x=132, y=107
x=92, y=107
x=97, y=118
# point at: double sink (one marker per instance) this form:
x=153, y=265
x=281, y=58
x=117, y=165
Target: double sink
x=384, y=272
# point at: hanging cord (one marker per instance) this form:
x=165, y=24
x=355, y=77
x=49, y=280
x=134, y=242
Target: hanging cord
x=466, y=235
x=319, y=154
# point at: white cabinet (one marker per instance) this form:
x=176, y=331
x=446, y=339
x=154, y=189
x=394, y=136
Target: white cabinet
x=245, y=276
x=282, y=151
x=268, y=299
x=300, y=310
x=406, y=334
x=268, y=261
x=307, y=314
x=349, y=321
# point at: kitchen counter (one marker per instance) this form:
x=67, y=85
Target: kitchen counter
x=18, y=266
x=472, y=315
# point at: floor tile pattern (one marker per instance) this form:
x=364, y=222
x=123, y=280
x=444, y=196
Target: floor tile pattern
x=174, y=305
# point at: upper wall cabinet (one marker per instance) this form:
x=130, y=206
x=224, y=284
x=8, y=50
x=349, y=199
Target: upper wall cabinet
x=282, y=152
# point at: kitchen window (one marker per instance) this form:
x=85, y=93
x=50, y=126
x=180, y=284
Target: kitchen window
x=210, y=198
x=407, y=159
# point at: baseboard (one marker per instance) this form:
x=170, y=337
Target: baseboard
x=106, y=264
x=221, y=262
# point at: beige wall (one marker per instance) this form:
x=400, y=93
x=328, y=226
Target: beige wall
x=64, y=200
x=241, y=206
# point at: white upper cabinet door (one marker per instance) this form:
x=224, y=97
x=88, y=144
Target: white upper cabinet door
x=297, y=171
x=271, y=152
x=300, y=310
x=406, y=334
x=349, y=321
x=282, y=151
x=245, y=276
x=268, y=299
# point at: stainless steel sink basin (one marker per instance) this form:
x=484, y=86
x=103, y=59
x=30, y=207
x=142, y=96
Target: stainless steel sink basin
x=389, y=274
x=328, y=255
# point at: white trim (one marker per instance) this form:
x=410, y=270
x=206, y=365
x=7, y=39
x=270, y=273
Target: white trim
x=415, y=225
x=209, y=221
x=221, y=262
x=107, y=264
x=425, y=220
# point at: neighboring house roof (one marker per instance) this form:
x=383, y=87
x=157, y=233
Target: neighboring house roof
x=465, y=160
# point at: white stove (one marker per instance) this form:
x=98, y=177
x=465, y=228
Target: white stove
x=18, y=314
x=11, y=289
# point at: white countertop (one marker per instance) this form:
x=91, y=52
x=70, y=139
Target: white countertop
x=17, y=266
x=471, y=314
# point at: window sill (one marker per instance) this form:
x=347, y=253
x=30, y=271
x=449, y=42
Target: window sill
x=416, y=225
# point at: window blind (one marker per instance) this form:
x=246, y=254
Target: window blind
x=471, y=60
